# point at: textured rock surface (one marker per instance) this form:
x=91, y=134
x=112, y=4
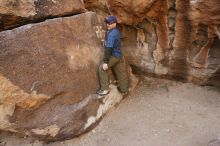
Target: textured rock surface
x=17, y=12
x=48, y=77
x=176, y=39
x=48, y=74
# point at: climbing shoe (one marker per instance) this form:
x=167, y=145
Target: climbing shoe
x=103, y=92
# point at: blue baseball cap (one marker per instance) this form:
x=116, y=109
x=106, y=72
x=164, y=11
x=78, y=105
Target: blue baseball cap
x=111, y=19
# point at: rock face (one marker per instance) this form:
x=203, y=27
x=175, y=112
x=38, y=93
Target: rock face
x=176, y=39
x=48, y=77
x=17, y=12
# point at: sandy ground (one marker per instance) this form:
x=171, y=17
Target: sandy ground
x=158, y=113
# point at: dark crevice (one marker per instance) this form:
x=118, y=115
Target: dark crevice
x=21, y=21
x=178, y=64
x=172, y=12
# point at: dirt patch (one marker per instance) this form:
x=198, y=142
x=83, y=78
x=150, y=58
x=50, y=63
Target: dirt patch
x=158, y=113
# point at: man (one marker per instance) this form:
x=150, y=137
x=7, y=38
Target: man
x=112, y=59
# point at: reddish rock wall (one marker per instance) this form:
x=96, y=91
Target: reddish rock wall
x=176, y=39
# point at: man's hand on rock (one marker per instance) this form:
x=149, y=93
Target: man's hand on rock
x=105, y=66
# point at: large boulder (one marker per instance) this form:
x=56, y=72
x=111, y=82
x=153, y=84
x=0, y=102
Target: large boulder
x=18, y=12
x=177, y=39
x=48, y=78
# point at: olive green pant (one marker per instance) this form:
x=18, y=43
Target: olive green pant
x=119, y=68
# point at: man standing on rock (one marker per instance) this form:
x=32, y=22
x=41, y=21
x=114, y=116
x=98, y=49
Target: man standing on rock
x=112, y=59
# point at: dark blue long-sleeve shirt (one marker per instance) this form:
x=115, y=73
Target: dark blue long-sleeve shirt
x=112, y=45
